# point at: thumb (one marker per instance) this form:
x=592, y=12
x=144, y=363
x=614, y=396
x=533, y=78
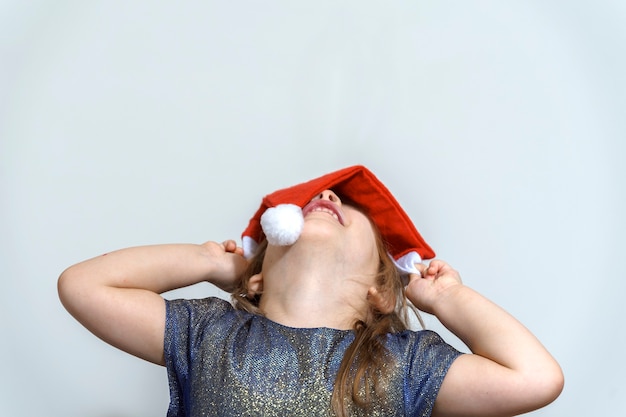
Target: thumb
x=422, y=268
x=231, y=246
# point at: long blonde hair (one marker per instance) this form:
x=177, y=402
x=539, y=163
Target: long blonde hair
x=358, y=380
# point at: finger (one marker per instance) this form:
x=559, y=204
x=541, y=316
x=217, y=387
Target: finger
x=229, y=245
x=430, y=270
x=439, y=265
x=421, y=268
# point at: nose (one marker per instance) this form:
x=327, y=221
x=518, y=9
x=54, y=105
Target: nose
x=330, y=196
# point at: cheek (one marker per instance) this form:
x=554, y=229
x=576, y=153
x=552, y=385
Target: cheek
x=363, y=239
x=365, y=246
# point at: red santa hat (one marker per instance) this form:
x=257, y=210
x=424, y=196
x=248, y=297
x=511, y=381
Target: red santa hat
x=279, y=218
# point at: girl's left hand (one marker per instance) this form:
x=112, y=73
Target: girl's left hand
x=438, y=278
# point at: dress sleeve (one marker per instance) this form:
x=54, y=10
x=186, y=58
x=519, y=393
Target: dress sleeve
x=429, y=359
x=185, y=323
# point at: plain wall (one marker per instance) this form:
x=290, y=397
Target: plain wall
x=499, y=126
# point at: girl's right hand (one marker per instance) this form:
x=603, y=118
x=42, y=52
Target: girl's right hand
x=227, y=264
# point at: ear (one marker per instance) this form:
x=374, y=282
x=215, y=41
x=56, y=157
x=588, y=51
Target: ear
x=384, y=302
x=255, y=285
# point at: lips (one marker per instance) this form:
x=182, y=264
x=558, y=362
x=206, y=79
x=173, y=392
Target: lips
x=324, y=206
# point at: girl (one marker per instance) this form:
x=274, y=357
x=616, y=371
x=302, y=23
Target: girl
x=318, y=324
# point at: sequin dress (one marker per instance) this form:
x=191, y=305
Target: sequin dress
x=225, y=362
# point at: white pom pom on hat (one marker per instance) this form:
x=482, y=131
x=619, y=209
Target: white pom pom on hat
x=282, y=224
x=359, y=185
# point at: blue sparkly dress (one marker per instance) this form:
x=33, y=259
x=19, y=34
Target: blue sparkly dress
x=225, y=362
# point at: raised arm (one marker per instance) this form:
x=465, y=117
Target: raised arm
x=116, y=295
x=509, y=372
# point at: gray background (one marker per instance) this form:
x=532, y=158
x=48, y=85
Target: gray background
x=499, y=126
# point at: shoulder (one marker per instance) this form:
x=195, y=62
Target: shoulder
x=411, y=340
x=422, y=351
x=189, y=321
x=181, y=314
x=209, y=305
x=424, y=359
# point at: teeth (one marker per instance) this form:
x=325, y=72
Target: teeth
x=325, y=210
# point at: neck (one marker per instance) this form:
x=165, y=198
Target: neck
x=313, y=290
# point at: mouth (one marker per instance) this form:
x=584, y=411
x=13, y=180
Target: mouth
x=324, y=206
